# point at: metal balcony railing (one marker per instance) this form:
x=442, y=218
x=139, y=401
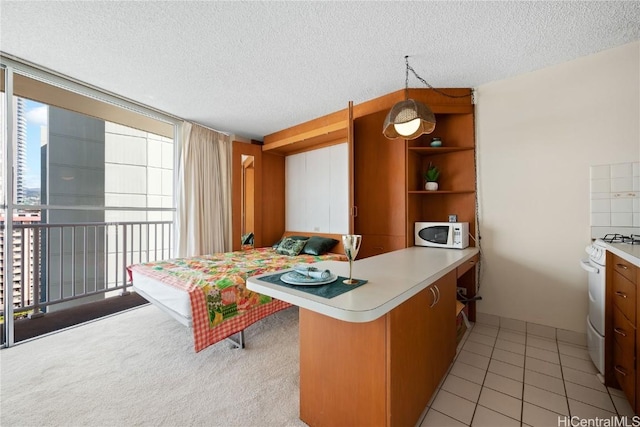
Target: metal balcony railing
x=65, y=262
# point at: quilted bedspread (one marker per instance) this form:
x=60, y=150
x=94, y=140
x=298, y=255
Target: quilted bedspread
x=221, y=305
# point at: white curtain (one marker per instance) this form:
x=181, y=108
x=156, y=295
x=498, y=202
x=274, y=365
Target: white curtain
x=203, y=192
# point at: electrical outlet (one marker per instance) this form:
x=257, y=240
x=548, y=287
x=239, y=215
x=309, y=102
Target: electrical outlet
x=462, y=291
x=453, y=218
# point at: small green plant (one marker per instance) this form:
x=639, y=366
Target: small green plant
x=432, y=174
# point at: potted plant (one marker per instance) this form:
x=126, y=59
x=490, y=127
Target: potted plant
x=431, y=177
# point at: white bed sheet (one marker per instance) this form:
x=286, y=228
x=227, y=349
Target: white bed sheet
x=174, y=301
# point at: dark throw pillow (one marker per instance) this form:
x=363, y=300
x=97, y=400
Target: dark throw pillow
x=317, y=245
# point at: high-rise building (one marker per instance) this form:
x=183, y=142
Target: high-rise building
x=20, y=149
x=23, y=245
x=85, y=162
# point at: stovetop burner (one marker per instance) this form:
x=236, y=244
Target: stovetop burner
x=632, y=239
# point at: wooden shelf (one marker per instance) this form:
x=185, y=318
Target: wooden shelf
x=437, y=150
x=441, y=192
x=321, y=132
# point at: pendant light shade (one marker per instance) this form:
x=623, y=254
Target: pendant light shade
x=409, y=119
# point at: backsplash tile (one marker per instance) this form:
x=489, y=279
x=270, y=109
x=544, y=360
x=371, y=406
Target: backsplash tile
x=622, y=184
x=622, y=170
x=621, y=219
x=601, y=185
x=601, y=219
x=601, y=205
x=615, y=197
x=621, y=204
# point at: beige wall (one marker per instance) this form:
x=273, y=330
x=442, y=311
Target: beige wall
x=537, y=135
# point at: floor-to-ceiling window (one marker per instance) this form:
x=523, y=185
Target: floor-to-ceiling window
x=87, y=189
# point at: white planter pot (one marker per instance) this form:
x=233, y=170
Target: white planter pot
x=431, y=186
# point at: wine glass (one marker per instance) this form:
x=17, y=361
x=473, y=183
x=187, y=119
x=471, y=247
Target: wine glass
x=351, y=243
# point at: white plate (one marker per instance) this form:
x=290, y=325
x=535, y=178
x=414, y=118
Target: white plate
x=295, y=278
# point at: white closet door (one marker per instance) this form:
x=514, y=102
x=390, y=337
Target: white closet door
x=317, y=190
x=339, y=190
x=295, y=201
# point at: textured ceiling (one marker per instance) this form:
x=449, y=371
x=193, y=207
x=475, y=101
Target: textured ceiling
x=253, y=68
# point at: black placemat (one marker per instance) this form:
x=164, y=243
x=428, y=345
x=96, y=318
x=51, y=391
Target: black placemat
x=329, y=290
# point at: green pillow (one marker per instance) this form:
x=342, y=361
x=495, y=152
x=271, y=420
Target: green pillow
x=290, y=246
x=276, y=244
x=317, y=245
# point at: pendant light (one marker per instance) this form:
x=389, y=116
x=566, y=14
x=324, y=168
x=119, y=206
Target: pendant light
x=408, y=119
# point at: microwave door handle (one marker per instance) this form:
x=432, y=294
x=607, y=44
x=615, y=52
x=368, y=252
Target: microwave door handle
x=584, y=263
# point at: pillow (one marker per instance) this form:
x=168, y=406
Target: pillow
x=317, y=245
x=290, y=246
x=246, y=239
x=275, y=245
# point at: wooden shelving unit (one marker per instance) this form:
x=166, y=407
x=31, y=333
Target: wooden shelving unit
x=457, y=182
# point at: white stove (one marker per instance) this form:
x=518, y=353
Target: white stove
x=595, y=265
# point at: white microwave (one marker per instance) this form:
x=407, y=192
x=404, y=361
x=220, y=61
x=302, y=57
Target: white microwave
x=454, y=235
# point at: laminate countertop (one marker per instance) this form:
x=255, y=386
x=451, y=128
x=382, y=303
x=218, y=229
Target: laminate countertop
x=393, y=278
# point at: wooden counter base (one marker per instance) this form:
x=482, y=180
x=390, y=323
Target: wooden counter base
x=340, y=381
x=378, y=373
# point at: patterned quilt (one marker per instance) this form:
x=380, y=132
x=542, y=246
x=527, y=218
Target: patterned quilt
x=221, y=305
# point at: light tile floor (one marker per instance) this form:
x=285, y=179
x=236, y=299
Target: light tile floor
x=503, y=377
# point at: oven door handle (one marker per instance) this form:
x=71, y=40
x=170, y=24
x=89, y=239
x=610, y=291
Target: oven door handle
x=584, y=263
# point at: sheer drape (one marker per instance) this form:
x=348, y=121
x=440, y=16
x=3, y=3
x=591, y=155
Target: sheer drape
x=204, y=192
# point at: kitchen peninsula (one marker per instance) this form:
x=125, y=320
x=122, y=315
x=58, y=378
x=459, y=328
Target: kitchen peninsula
x=374, y=355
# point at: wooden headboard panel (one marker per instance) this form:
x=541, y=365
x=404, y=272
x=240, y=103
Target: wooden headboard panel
x=337, y=249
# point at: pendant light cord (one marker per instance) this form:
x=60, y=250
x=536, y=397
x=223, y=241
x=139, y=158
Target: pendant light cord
x=406, y=78
x=406, y=84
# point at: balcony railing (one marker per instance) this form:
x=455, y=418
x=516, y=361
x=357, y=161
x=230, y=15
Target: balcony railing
x=65, y=262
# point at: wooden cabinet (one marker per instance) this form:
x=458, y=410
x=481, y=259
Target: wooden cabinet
x=622, y=335
x=245, y=205
x=420, y=354
x=382, y=373
x=386, y=177
x=378, y=187
x=388, y=182
x=268, y=201
x=457, y=184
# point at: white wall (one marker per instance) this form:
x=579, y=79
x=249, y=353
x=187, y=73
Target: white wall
x=317, y=190
x=537, y=135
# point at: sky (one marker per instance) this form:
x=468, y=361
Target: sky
x=37, y=116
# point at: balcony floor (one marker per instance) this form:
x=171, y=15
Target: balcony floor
x=51, y=322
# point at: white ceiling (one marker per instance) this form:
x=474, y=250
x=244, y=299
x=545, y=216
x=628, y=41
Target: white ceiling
x=253, y=68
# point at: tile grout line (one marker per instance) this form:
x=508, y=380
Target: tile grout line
x=526, y=344
x=475, y=408
x=564, y=383
x=487, y=373
x=524, y=372
x=465, y=337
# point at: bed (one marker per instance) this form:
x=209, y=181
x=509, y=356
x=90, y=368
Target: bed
x=208, y=294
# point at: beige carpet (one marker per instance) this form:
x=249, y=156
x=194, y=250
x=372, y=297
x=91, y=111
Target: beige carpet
x=138, y=368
